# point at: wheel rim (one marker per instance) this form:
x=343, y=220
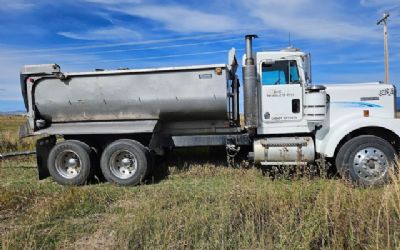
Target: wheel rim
x=68, y=164
x=370, y=164
x=123, y=164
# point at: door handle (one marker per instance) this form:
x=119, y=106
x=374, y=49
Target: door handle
x=295, y=106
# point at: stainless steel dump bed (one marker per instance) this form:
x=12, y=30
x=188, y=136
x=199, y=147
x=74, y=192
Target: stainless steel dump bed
x=192, y=93
x=185, y=93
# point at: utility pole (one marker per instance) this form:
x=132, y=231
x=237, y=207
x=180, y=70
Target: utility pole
x=385, y=41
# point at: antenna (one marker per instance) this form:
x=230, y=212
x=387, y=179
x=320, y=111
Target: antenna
x=384, y=21
x=290, y=41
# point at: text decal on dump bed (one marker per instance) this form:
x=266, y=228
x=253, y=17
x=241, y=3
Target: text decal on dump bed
x=205, y=76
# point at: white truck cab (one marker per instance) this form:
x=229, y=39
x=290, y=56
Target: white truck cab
x=283, y=77
x=355, y=125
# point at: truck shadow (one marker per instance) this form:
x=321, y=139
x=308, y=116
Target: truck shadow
x=183, y=160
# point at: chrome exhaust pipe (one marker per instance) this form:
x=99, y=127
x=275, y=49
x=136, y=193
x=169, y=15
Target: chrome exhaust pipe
x=250, y=94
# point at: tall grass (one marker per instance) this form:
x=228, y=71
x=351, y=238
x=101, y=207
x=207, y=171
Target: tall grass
x=9, y=139
x=198, y=206
x=203, y=206
x=11, y=143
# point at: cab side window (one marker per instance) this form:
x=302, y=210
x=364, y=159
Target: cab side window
x=280, y=72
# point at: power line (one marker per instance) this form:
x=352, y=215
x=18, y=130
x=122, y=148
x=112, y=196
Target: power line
x=160, y=57
x=394, y=8
x=135, y=43
x=144, y=42
x=152, y=57
x=145, y=48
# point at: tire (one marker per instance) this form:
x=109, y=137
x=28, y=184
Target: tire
x=69, y=162
x=365, y=160
x=125, y=162
x=149, y=156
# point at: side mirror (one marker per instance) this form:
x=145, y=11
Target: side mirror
x=308, y=70
x=232, y=62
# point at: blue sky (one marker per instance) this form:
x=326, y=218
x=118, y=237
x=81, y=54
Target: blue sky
x=80, y=35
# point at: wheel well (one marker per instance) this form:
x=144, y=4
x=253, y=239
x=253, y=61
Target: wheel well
x=383, y=133
x=101, y=141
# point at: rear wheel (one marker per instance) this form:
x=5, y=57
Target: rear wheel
x=69, y=162
x=366, y=160
x=125, y=162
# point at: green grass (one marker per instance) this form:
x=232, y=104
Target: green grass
x=198, y=206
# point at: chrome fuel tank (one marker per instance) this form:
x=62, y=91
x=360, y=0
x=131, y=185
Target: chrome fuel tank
x=284, y=150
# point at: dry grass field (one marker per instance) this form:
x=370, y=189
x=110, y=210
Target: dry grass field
x=198, y=205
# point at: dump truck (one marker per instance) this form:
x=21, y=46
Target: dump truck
x=116, y=121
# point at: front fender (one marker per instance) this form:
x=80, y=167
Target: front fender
x=328, y=139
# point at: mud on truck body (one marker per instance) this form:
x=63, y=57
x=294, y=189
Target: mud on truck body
x=122, y=118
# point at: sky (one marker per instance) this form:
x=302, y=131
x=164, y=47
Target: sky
x=81, y=35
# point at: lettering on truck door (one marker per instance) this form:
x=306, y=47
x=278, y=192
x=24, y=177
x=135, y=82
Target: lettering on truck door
x=281, y=92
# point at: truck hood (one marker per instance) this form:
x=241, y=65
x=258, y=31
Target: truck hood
x=376, y=97
x=360, y=91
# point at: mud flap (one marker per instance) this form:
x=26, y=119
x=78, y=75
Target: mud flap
x=43, y=147
x=25, y=130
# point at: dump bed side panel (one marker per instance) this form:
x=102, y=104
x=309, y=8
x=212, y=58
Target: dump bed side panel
x=185, y=94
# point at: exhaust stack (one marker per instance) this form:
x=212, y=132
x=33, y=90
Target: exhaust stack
x=250, y=87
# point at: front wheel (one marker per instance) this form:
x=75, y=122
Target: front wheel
x=366, y=160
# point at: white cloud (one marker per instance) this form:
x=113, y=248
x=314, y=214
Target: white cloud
x=110, y=33
x=15, y=5
x=381, y=6
x=334, y=78
x=11, y=64
x=312, y=19
x=181, y=19
x=114, y=1
x=378, y=2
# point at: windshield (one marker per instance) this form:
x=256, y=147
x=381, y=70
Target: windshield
x=280, y=72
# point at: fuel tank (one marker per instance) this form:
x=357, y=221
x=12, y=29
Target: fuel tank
x=284, y=150
x=179, y=93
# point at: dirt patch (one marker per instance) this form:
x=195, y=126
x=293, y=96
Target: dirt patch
x=101, y=239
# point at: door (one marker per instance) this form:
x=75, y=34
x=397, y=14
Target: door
x=281, y=92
